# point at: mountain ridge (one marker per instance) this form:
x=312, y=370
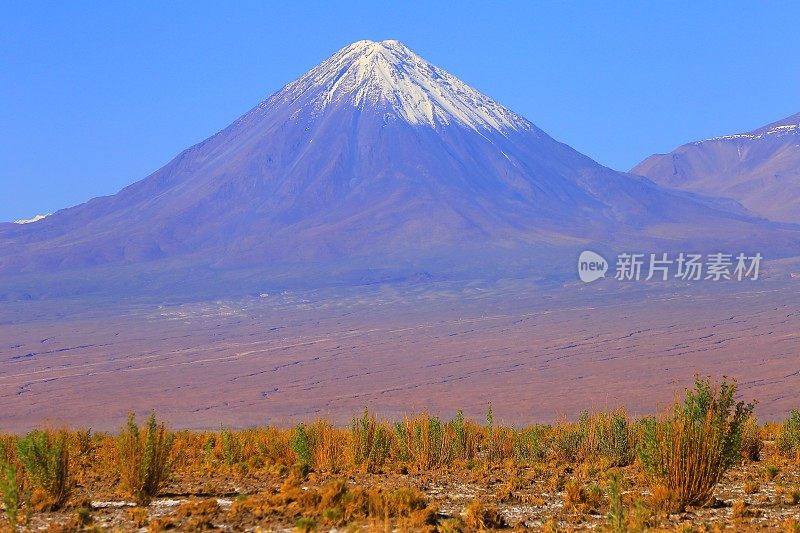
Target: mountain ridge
x=372, y=154
x=759, y=168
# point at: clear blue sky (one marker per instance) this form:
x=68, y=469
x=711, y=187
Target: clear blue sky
x=96, y=95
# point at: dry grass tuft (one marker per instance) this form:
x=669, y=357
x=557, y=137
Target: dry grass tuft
x=138, y=516
x=792, y=525
x=741, y=510
x=751, y=487
x=482, y=517
x=196, y=514
x=752, y=441
x=583, y=499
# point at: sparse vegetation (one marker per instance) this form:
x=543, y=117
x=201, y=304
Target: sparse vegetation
x=604, y=470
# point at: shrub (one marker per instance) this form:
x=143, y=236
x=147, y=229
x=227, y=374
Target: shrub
x=301, y=445
x=370, y=442
x=616, y=513
x=305, y=525
x=272, y=445
x=771, y=472
x=231, y=448
x=423, y=441
x=567, y=439
x=45, y=457
x=617, y=443
x=196, y=514
x=607, y=435
x=490, y=434
x=464, y=437
x=329, y=445
x=689, y=451
x=9, y=487
x=459, y=435
x=84, y=439
x=319, y=445
x=527, y=445
x=788, y=440
x=752, y=445
x=144, y=458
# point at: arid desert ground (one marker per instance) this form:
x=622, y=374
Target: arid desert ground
x=537, y=353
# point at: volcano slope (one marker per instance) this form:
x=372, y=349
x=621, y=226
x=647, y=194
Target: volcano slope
x=375, y=160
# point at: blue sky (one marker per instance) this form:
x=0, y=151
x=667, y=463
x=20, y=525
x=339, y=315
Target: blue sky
x=96, y=95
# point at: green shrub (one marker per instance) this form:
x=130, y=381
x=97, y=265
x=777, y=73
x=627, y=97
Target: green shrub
x=689, y=451
x=305, y=525
x=609, y=435
x=491, y=449
x=209, y=445
x=423, y=442
x=144, y=458
x=459, y=435
x=231, y=448
x=462, y=437
x=45, y=457
x=370, y=442
x=527, y=445
x=568, y=439
x=301, y=446
x=9, y=487
x=788, y=440
x=616, y=513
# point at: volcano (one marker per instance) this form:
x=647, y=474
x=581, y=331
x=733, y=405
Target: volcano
x=760, y=168
x=374, y=153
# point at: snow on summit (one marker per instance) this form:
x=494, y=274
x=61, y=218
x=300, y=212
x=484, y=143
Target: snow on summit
x=788, y=126
x=388, y=73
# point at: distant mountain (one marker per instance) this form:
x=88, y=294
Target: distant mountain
x=373, y=153
x=760, y=169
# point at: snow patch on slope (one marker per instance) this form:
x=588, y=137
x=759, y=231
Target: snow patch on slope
x=776, y=131
x=388, y=73
x=37, y=218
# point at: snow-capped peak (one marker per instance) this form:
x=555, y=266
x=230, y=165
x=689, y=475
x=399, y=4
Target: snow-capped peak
x=388, y=73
